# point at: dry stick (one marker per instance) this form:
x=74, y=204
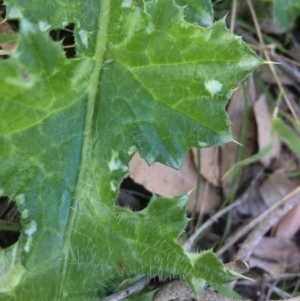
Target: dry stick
x=129, y=290
x=278, y=210
x=273, y=288
x=266, y=220
x=233, y=15
x=259, y=34
x=193, y=238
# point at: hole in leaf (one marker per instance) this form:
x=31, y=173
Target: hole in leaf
x=66, y=35
x=132, y=195
x=9, y=222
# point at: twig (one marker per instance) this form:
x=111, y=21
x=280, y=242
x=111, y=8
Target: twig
x=271, y=217
x=233, y=15
x=129, y=290
x=193, y=238
x=273, y=288
x=284, y=205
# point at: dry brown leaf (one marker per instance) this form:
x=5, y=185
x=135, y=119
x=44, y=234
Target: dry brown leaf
x=5, y=28
x=210, y=168
x=276, y=255
x=235, y=110
x=289, y=224
x=264, y=123
x=166, y=181
x=274, y=188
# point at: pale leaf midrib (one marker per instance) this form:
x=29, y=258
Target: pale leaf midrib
x=92, y=93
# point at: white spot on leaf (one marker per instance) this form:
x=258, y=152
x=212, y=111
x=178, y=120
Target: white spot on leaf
x=25, y=213
x=127, y=3
x=113, y=187
x=14, y=13
x=20, y=199
x=213, y=87
x=206, y=19
x=202, y=144
x=44, y=26
x=115, y=162
x=150, y=27
x=29, y=231
x=83, y=37
x=1, y=192
x=131, y=150
x=27, y=26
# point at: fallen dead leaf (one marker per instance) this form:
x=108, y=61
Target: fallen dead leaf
x=274, y=188
x=210, y=168
x=264, y=124
x=276, y=255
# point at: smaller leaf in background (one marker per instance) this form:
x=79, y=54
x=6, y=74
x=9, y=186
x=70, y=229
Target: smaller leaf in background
x=264, y=128
x=287, y=134
x=285, y=12
x=274, y=188
x=276, y=255
x=210, y=168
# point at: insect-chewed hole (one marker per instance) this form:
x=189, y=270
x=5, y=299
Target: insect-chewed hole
x=132, y=195
x=66, y=35
x=10, y=226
